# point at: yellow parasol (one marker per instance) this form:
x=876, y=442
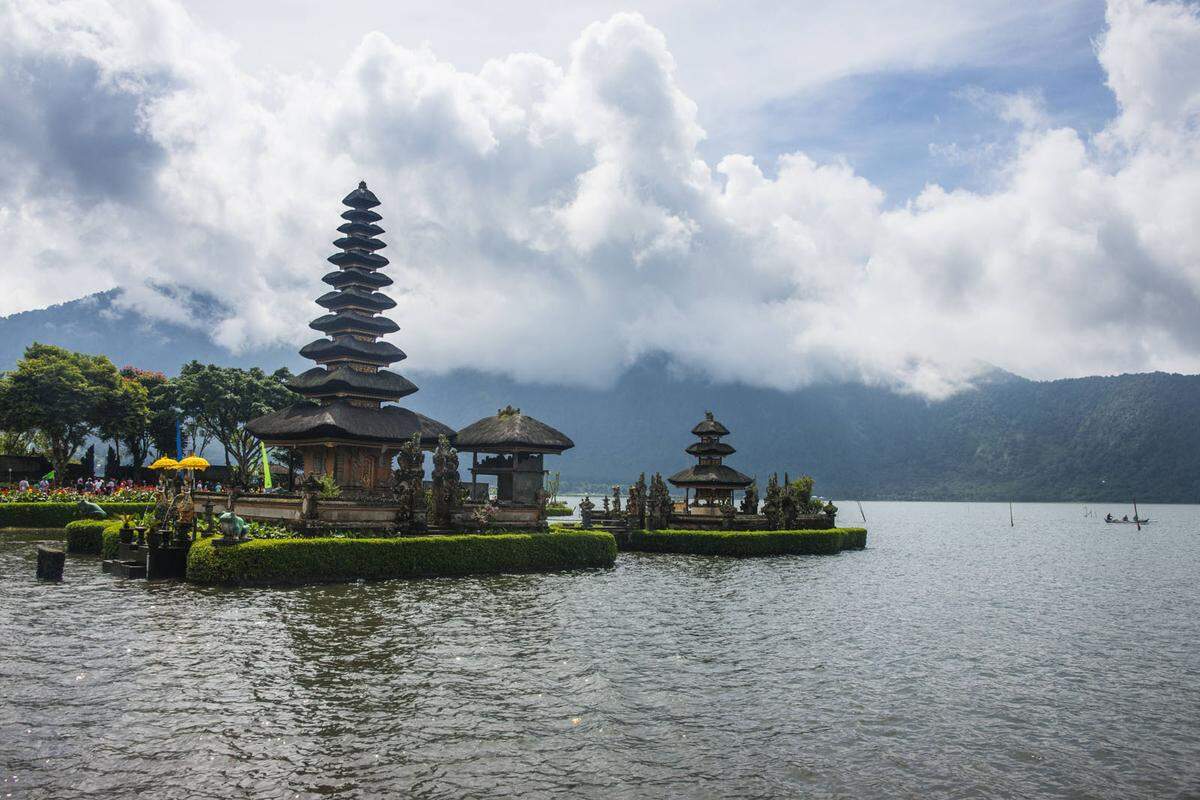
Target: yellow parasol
x=165, y=463
x=194, y=462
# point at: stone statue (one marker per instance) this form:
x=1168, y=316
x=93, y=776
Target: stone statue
x=641, y=500
x=232, y=526
x=409, y=485
x=635, y=507
x=658, y=506
x=773, y=503
x=445, y=482
x=90, y=510
x=606, y=509
x=309, y=491
x=750, y=499
x=616, y=500
x=539, y=499
x=585, y=511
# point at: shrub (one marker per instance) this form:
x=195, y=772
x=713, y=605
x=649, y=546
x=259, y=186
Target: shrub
x=744, y=543
x=558, y=510
x=328, y=560
x=57, y=515
x=85, y=536
x=110, y=540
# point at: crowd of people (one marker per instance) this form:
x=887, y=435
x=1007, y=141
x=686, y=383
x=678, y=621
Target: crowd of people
x=102, y=486
x=98, y=486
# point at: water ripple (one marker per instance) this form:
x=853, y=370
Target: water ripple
x=956, y=657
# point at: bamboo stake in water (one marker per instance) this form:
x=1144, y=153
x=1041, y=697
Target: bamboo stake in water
x=1137, y=521
x=1011, y=524
x=860, y=511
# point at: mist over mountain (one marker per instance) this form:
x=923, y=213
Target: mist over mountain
x=1086, y=439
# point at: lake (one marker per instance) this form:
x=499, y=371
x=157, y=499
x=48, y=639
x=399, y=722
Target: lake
x=955, y=657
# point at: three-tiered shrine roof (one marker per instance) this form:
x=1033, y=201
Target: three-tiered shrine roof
x=709, y=472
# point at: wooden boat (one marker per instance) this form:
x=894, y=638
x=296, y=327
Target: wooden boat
x=1127, y=521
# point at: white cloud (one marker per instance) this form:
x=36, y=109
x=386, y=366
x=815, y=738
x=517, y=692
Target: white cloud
x=556, y=221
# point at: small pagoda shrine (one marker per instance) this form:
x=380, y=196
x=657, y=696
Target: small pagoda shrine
x=709, y=484
x=514, y=445
x=344, y=429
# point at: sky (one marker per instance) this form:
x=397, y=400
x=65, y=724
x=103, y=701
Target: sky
x=899, y=193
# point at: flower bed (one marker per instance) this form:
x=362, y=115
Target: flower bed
x=328, y=560
x=142, y=494
x=744, y=543
x=44, y=514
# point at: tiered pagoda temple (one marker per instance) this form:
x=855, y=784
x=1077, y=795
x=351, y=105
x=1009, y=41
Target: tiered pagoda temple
x=712, y=482
x=344, y=428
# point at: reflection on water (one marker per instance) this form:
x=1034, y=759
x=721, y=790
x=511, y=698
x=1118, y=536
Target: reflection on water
x=955, y=657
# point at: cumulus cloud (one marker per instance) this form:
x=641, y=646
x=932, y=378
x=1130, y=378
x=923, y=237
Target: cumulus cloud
x=555, y=221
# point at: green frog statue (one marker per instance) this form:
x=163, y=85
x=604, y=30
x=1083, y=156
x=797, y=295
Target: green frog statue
x=232, y=526
x=89, y=510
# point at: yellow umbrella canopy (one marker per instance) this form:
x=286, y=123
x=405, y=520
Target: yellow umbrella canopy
x=194, y=462
x=165, y=463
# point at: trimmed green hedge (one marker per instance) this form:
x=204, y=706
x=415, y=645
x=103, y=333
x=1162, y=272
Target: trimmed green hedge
x=260, y=562
x=95, y=537
x=85, y=536
x=110, y=540
x=57, y=515
x=744, y=543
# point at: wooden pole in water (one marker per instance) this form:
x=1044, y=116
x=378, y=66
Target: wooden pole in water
x=50, y=562
x=1136, y=521
x=860, y=511
x=1011, y=524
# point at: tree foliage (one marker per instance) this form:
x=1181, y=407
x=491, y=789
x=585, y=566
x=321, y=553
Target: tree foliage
x=157, y=427
x=62, y=396
x=221, y=400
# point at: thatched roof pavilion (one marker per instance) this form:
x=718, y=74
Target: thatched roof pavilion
x=518, y=442
x=344, y=429
x=712, y=481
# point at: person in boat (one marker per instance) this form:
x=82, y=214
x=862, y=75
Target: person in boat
x=1125, y=518
x=1108, y=517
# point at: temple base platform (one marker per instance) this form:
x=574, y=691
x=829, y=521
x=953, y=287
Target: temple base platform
x=367, y=515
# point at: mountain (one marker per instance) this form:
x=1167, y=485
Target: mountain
x=1085, y=439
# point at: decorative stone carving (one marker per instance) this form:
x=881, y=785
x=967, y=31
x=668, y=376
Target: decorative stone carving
x=750, y=500
x=409, y=485
x=446, y=483
x=658, y=505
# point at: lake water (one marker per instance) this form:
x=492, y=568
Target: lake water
x=954, y=657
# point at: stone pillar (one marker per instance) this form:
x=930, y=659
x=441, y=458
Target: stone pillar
x=50, y=563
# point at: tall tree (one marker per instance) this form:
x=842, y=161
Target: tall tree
x=112, y=462
x=222, y=400
x=158, y=428
x=60, y=395
x=125, y=415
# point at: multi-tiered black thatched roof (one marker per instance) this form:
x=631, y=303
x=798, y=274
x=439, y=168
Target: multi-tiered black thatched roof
x=709, y=472
x=347, y=387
